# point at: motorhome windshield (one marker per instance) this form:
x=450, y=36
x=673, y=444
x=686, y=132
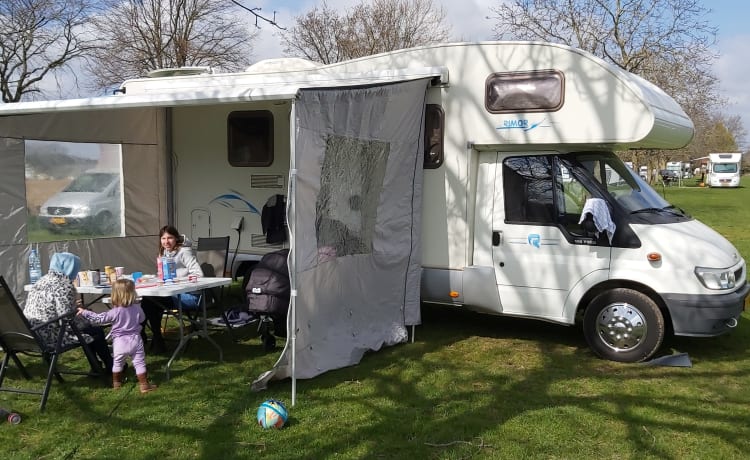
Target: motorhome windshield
x=725, y=167
x=91, y=182
x=628, y=189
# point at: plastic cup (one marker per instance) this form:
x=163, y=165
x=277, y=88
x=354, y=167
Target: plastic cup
x=119, y=271
x=109, y=272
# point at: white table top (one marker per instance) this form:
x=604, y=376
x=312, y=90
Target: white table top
x=158, y=290
x=163, y=290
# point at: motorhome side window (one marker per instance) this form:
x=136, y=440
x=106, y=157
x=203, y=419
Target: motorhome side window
x=528, y=190
x=434, y=129
x=532, y=91
x=250, y=138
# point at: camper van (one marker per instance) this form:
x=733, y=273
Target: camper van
x=643, y=172
x=91, y=202
x=518, y=205
x=724, y=169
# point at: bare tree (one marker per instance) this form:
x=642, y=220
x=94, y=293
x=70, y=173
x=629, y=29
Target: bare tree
x=138, y=36
x=317, y=35
x=325, y=35
x=668, y=42
x=37, y=39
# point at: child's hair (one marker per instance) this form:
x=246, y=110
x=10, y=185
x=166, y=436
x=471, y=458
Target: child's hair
x=123, y=293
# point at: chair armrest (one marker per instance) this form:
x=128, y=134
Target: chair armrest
x=66, y=317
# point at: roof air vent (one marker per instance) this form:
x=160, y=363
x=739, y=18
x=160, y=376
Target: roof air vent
x=179, y=72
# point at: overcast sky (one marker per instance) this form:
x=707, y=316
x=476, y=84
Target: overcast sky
x=469, y=22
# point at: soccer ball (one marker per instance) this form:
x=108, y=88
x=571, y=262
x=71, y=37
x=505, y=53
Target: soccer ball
x=272, y=414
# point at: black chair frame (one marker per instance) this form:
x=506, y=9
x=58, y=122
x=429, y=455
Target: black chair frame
x=212, y=267
x=18, y=336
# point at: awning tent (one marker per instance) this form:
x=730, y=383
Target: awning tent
x=354, y=207
x=355, y=222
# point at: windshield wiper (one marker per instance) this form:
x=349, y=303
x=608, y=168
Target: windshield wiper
x=669, y=209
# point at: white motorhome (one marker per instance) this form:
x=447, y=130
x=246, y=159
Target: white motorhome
x=643, y=172
x=518, y=151
x=724, y=169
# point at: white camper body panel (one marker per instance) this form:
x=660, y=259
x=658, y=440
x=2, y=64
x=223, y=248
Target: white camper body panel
x=604, y=106
x=724, y=169
x=475, y=252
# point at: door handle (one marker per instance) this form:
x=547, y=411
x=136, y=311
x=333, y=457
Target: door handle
x=497, y=237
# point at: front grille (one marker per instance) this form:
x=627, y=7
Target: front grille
x=58, y=211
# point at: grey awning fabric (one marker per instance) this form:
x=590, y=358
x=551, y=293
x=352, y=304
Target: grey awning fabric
x=355, y=219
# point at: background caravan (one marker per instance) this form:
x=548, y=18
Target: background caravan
x=724, y=169
x=519, y=207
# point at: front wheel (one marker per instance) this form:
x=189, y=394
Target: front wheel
x=104, y=223
x=623, y=325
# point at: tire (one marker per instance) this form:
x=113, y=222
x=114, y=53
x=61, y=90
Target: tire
x=623, y=325
x=104, y=223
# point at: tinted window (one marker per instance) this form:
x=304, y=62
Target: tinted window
x=91, y=182
x=250, y=138
x=528, y=190
x=434, y=123
x=539, y=91
x=725, y=167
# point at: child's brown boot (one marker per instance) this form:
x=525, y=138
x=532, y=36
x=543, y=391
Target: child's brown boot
x=116, y=380
x=144, y=384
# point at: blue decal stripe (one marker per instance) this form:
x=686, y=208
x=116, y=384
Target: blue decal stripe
x=227, y=199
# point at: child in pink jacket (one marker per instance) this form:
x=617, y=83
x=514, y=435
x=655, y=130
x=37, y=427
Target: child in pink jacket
x=126, y=316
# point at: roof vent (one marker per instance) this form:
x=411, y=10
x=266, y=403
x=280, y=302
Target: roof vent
x=282, y=65
x=179, y=72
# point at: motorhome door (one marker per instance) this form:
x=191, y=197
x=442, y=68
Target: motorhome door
x=539, y=249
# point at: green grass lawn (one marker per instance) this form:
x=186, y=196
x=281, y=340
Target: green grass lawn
x=470, y=386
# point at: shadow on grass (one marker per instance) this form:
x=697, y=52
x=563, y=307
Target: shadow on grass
x=470, y=384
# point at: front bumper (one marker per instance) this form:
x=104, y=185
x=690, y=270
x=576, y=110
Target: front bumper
x=706, y=315
x=65, y=222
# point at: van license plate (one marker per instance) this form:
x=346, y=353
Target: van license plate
x=57, y=220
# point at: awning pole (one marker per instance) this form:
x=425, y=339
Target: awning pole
x=291, y=219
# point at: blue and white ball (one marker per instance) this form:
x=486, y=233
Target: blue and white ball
x=272, y=414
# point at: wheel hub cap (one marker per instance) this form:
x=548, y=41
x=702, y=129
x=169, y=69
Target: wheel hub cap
x=621, y=326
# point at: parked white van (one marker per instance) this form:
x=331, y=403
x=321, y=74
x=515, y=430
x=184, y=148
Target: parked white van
x=724, y=169
x=91, y=202
x=526, y=211
x=643, y=172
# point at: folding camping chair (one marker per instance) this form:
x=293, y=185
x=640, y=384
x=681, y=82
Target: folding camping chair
x=17, y=336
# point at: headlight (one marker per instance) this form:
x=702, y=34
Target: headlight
x=81, y=210
x=715, y=278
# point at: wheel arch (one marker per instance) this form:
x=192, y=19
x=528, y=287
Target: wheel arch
x=627, y=284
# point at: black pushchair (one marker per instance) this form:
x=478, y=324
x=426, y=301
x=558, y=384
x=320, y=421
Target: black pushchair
x=267, y=293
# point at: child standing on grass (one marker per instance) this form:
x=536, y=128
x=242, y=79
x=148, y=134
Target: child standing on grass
x=126, y=316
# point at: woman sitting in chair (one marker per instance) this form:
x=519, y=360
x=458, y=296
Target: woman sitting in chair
x=55, y=295
x=171, y=244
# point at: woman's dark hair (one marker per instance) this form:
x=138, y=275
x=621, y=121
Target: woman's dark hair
x=172, y=231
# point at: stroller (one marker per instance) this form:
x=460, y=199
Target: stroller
x=267, y=293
